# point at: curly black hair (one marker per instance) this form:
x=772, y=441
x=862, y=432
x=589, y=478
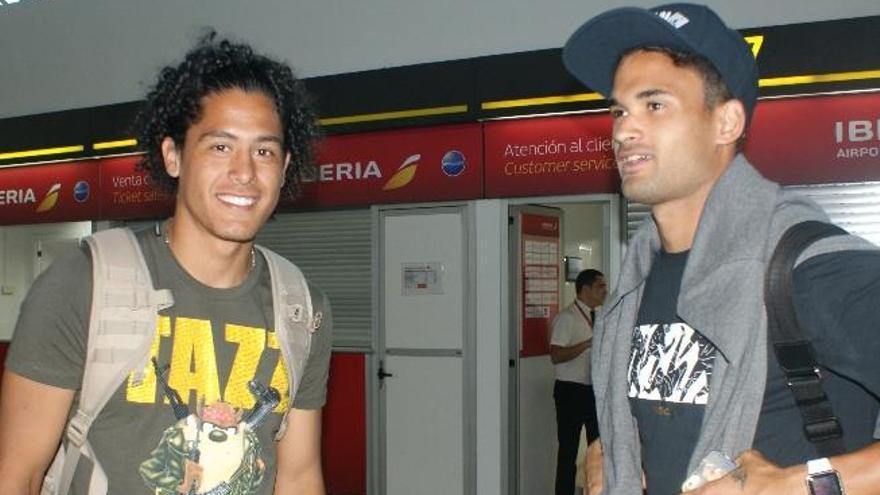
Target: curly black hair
x=214, y=65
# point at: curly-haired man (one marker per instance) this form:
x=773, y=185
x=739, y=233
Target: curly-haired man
x=224, y=131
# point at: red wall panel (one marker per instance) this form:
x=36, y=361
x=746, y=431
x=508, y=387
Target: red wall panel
x=344, y=441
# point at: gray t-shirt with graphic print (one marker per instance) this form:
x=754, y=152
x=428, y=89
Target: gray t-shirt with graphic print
x=214, y=340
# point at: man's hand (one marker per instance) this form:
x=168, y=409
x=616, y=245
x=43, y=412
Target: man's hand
x=755, y=475
x=593, y=469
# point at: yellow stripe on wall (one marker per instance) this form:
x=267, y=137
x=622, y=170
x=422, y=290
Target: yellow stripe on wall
x=41, y=152
x=402, y=114
x=122, y=143
x=820, y=78
x=768, y=82
x=546, y=100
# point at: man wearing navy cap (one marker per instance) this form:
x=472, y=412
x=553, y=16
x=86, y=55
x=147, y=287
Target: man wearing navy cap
x=683, y=372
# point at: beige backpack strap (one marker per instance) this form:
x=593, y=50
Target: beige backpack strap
x=122, y=326
x=295, y=320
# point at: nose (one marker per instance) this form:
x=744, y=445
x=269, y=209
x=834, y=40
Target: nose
x=626, y=128
x=242, y=170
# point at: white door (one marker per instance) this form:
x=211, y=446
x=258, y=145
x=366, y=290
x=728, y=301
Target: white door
x=423, y=352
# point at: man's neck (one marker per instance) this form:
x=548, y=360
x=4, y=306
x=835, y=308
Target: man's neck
x=677, y=224
x=585, y=302
x=214, y=262
x=677, y=220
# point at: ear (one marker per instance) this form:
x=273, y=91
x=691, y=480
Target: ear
x=171, y=157
x=731, y=117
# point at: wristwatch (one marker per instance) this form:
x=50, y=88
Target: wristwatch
x=822, y=479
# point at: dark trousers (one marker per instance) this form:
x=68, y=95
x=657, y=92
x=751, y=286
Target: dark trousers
x=575, y=408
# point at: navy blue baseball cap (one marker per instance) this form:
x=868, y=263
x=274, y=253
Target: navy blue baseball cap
x=592, y=53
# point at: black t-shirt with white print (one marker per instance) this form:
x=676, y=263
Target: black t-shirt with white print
x=669, y=370
x=671, y=364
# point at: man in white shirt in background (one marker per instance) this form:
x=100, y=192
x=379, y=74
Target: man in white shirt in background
x=570, y=343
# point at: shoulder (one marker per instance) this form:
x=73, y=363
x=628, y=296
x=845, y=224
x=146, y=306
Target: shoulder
x=564, y=317
x=67, y=280
x=71, y=269
x=320, y=301
x=836, y=296
x=52, y=323
x=837, y=271
x=836, y=293
x=791, y=208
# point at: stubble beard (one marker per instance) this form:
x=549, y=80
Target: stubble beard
x=644, y=191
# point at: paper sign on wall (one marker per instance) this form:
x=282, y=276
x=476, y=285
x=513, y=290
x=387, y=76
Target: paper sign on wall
x=422, y=278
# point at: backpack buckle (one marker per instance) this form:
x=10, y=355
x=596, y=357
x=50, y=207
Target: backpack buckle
x=317, y=321
x=797, y=358
x=824, y=429
x=296, y=312
x=78, y=428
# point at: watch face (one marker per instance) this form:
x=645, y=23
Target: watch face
x=825, y=484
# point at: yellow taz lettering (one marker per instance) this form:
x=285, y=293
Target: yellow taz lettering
x=145, y=393
x=279, y=377
x=251, y=342
x=193, y=362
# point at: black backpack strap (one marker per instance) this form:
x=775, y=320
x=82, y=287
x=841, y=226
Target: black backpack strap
x=793, y=349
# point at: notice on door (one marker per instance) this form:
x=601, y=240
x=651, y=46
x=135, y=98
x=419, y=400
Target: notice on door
x=422, y=278
x=539, y=281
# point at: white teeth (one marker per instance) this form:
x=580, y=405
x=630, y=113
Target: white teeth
x=237, y=200
x=632, y=159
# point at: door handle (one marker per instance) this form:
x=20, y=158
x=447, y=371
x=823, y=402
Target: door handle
x=382, y=374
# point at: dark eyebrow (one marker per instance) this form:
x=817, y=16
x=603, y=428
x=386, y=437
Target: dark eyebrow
x=217, y=134
x=271, y=139
x=651, y=92
x=648, y=93
x=229, y=135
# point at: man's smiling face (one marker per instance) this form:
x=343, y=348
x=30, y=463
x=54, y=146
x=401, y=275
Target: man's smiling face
x=231, y=168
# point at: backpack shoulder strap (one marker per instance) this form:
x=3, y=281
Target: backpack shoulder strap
x=295, y=319
x=793, y=349
x=122, y=325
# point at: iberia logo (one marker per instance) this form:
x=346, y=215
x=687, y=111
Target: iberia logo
x=51, y=198
x=404, y=175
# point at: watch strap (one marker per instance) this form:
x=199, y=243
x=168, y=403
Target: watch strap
x=816, y=466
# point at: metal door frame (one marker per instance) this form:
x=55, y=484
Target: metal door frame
x=377, y=461
x=615, y=244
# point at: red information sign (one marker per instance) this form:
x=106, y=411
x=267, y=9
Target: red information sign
x=49, y=193
x=553, y=155
x=817, y=139
x=402, y=166
x=793, y=141
x=128, y=193
x=539, y=279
